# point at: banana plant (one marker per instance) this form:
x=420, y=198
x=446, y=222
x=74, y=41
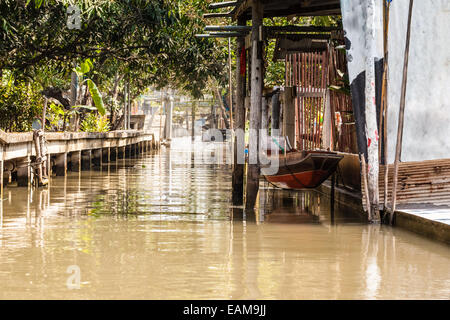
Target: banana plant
x=81, y=71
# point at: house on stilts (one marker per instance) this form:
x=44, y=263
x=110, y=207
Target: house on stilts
x=349, y=89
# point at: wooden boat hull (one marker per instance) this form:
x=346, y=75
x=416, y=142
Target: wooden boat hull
x=303, y=170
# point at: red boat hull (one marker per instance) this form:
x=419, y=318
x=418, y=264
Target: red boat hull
x=303, y=170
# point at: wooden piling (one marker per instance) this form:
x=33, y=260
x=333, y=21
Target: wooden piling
x=364, y=183
x=113, y=154
x=96, y=157
x=194, y=107
x=86, y=160
x=2, y=163
x=265, y=113
x=275, y=123
x=230, y=84
x=255, y=107
x=401, y=115
x=289, y=115
x=105, y=155
x=384, y=100
x=75, y=161
x=238, y=164
x=61, y=164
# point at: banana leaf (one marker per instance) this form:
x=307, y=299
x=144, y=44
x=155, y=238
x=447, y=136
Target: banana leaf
x=96, y=96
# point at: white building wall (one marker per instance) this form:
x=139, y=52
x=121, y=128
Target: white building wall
x=426, y=132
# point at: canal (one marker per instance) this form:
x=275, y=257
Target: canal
x=161, y=226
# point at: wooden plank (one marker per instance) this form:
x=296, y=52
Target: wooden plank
x=225, y=4
x=217, y=15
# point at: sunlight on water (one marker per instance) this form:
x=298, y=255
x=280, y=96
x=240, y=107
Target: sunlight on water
x=162, y=226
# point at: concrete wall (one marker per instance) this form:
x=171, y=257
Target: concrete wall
x=354, y=19
x=427, y=114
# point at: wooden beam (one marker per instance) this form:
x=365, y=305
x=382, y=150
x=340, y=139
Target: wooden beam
x=228, y=28
x=217, y=15
x=225, y=4
x=221, y=35
x=294, y=10
x=275, y=29
x=300, y=29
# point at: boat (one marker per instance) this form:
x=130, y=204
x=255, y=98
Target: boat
x=302, y=169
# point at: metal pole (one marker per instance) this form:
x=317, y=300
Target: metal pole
x=401, y=115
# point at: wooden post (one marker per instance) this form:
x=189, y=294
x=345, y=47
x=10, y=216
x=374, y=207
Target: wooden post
x=37, y=147
x=105, y=155
x=238, y=164
x=371, y=111
x=364, y=182
x=289, y=115
x=193, y=121
x=332, y=195
x=327, y=123
x=275, y=125
x=1, y=188
x=384, y=100
x=170, y=117
x=125, y=108
x=255, y=104
x=168, y=124
x=41, y=140
x=75, y=161
x=86, y=160
x=222, y=107
x=265, y=113
x=230, y=84
x=96, y=156
x=129, y=104
x=401, y=114
x=61, y=164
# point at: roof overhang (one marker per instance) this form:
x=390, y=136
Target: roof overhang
x=283, y=8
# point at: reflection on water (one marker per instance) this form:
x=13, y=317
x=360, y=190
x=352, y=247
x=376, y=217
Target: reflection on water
x=157, y=227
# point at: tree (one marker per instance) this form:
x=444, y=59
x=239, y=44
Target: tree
x=150, y=42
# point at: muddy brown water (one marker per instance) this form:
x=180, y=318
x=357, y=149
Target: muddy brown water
x=162, y=227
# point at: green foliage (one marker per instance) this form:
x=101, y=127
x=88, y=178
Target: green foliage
x=152, y=41
x=96, y=96
x=275, y=70
x=94, y=123
x=55, y=116
x=20, y=104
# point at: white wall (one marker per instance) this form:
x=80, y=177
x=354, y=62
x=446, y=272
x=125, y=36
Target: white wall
x=426, y=132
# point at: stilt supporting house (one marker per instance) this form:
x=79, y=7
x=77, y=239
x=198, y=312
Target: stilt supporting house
x=257, y=82
x=239, y=155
